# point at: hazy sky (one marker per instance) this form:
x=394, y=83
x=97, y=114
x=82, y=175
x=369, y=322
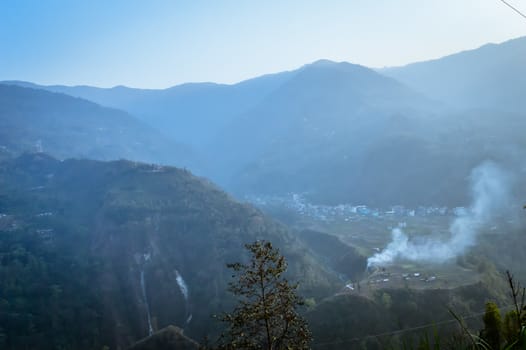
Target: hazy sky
x=162, y=43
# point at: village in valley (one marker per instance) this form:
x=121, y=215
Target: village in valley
x=298, y=203
x=369, y=231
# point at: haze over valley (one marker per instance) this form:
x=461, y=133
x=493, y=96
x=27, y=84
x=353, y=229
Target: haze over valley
x=341, y=133
x=395, y=194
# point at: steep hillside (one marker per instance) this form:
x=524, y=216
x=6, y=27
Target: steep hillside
x=341, y=258
x=38, y=120
x=493, y=76
x=97, y=253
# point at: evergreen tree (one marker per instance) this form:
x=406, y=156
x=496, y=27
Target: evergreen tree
x=266, y=316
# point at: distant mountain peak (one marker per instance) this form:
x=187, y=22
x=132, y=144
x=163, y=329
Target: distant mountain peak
x=333, y=66
x=322, y=62
x=326, y=63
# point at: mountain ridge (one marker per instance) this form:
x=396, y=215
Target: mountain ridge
x=491, y=76
x=67, y=126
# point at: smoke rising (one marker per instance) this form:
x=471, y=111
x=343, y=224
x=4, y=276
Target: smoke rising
x=490, y=187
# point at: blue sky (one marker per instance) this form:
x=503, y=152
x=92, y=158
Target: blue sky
x=160, y=43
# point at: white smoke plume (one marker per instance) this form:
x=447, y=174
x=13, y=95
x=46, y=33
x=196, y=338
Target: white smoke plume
x=490, y=186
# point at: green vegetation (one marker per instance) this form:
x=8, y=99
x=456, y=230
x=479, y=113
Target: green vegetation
x=495, y=334
x=76, y=236
x=266, y=315
x=96, y=255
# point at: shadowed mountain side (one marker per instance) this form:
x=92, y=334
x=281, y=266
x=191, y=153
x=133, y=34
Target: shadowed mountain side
x=341, y=258
x=410, y=165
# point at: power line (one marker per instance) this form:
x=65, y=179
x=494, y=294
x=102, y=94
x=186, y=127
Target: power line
x=514, y=8
x=401, y=331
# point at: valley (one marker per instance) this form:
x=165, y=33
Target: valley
x=368, y=230
x=125, y=227
x=394, y=198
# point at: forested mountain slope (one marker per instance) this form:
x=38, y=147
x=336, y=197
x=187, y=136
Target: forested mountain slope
x=99, y=253
x=38, y=120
